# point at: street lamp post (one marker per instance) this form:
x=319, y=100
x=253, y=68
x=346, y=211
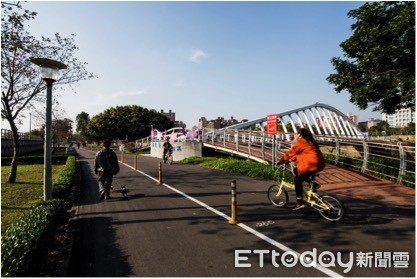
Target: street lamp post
x=30, y=125
x=49, y=73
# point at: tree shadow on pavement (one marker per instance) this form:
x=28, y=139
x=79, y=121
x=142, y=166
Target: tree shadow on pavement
x=95, y=252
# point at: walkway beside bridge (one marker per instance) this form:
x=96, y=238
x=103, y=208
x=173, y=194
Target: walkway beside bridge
x=343, y=181
x=180, y=228
x=340, y=181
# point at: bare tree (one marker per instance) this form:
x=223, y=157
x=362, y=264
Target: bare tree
x=21, y=84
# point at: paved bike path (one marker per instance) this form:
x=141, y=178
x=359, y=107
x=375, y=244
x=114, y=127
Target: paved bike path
x=159, y=232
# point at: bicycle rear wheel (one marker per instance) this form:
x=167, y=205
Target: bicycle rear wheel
x=277, y=197
x=170, y=159
x=336, y=211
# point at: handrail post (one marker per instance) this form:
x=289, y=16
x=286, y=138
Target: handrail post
x=365, y=156
x=237, y=139
x=403, y=162
x=263, y=145
x=224, y=138
x=249, y=141
x=336, y=159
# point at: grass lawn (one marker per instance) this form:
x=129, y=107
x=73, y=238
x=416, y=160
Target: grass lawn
x=27, y=191
x=235, y=165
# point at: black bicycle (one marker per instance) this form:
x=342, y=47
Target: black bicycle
x=168, y=159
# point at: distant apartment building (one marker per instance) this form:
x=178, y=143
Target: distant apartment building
x=365, y=125
x=202, y=123
x=171, y=116
x=353, y=117
x=400, y=118
x=218, y=123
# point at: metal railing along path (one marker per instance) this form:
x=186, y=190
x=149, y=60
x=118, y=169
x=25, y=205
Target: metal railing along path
x=395, y=162
x=8, y=134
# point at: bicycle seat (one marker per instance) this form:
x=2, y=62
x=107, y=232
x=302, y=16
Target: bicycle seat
x=314, y=175
x=314, y=186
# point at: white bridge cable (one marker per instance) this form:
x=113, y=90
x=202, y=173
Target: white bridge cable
x=315, y=121
x=327, y=120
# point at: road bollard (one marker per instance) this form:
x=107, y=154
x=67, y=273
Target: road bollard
x=123, y=157
x=233, y=220
x=136, y=163
x=160, y=173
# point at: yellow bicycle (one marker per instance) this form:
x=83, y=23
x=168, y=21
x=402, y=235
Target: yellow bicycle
x=329, y=207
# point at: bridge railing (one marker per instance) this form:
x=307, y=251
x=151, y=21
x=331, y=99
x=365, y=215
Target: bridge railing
x=395, y=162
x=8, y=134
x=143, y=143
x=27, y=143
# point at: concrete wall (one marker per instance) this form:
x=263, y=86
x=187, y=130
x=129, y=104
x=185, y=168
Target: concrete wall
x=181, y=151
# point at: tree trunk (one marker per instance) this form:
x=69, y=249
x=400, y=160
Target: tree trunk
x=16, y=147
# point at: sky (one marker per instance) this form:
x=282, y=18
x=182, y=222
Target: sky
x=201, y=59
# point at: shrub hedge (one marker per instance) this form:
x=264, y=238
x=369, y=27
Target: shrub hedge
x=62, y=186
x=24, y=244
x=35, y=159
x=59, y=156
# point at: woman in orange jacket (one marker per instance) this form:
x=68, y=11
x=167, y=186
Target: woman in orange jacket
x=309, y=159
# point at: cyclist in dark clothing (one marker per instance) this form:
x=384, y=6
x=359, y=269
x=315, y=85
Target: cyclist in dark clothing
x=167, y=148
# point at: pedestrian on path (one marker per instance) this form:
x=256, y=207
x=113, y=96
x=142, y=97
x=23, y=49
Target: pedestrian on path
x=106, y=165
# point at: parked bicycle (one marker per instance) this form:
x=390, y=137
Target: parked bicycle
x=329, y=207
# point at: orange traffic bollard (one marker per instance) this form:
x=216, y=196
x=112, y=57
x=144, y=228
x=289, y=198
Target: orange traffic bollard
x=160, y=173
x=233, y=220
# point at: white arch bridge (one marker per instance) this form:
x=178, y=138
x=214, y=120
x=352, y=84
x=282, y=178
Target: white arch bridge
x=320, y=119
x=340, y=140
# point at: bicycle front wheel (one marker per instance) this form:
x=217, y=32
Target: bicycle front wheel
x=278, y=197
x=336, y=211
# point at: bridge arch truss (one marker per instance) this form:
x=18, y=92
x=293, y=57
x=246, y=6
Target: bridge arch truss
x=320, y=119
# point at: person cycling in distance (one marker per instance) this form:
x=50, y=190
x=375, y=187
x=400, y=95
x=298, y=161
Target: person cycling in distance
x=309, y=160
x=167, y=148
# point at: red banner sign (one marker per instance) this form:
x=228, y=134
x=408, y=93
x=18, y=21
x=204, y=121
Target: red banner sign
x=271, y=124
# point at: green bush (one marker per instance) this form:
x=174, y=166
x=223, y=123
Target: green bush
x=23, y=244
x=63, y=184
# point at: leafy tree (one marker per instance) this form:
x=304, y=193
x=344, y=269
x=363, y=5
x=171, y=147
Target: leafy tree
x=379, y=128
x=378, y=68
x=410, y=129
x=20, y=82
x=132, y=121
x=82, y=120
x=37, y=132
x=61, y=129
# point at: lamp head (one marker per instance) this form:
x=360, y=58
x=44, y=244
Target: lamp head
x=49, y=68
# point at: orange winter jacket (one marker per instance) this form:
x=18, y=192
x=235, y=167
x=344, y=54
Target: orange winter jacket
x=308, y=156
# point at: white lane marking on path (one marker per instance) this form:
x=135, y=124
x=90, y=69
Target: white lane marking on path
x=243, y=226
